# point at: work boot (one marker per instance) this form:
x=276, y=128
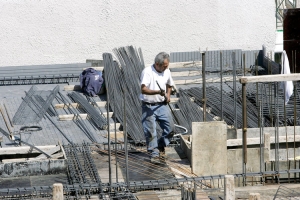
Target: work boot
x=161, y=148
x=155, y=160
x=161, y=152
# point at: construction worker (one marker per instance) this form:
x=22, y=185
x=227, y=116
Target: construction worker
x=156, y=84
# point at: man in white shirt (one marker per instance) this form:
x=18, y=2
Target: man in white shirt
x=154, y=104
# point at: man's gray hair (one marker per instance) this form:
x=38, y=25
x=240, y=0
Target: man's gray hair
x=160, y=58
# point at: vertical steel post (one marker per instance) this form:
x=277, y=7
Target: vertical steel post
x=125, y=138
x=234, y=89
x=244, y=132
x=256, y=73
x=116, y=146
x=295, y=111
x=260, y=139
x=221, y=86
x=203, y=87
x=108, y=134
x=277, y=132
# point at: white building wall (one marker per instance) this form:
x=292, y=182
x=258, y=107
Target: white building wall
x=70, y=31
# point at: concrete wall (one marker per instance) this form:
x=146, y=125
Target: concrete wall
x=71, y=31
x=30, y=168
x=208, y=155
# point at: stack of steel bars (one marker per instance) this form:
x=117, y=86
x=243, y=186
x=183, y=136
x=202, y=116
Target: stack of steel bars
x=213, y=102
x=98, y=119
x=34, y=106
x=190, y=111
x=123, y=85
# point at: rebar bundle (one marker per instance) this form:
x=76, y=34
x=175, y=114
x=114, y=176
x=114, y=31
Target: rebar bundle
x=213, y=102
x=34, y=106
x=122, y=83
x=98, y=119
x=190, y=111
x=78, y=120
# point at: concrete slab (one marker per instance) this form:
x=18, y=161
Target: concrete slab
x=209, y=148
x=235, y=160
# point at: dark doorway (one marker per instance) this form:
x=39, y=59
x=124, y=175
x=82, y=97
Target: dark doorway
x=291, y=38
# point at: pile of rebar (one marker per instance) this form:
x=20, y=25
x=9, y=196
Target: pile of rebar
x=97, y=118
x=123, y=88
x=34, y=106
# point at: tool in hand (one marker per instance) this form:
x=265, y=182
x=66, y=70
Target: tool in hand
x=181, y=127
x=167, y=102
x=161, y=91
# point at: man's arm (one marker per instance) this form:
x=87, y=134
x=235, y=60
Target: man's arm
x=169, y=89
x=147, y=91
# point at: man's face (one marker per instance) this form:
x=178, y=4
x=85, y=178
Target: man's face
x=163, y=67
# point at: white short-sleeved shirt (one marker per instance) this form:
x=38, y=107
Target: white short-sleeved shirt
x=149, y=77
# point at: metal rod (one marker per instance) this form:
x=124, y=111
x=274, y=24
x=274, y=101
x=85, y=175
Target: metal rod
x=125, y=137
x=234, y=89
x=295, y=112
x=8, y=115
x=221, y=86
x=115, y=126
x=277, y=131
x=6, y=123
x=203, y=87
x=108, y=133
x=260, y=138
x=244, y=132
x=285, y=128
x=256, y=73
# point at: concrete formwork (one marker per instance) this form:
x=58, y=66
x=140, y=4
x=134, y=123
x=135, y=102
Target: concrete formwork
x=211, y=143
x=209, y=148
x=30, y=168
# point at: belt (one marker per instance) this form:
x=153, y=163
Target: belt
x=154, y=104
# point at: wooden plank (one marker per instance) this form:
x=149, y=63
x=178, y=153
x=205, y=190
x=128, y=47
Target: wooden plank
x=186, y=73
x=119, y=134
x=65, y=106
x=72, y=88
x=96, y=68
x=62, y=150
x=24, y=150
x=199, y=81
x=82, y=115
x=184, y=64
x=49, y=152
x=270, y=78
x=76, y=105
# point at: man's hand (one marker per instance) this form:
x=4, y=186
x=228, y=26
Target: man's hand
x=162, y=93
x=167, y=99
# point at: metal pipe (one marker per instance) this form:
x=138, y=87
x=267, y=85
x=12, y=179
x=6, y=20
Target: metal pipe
x=260, y=138
x=203, y=87
x=286, y=134
x=277, y=131
x=221, y=86
x=125, y=137
x=108, y=133
x=8, y=115
x=115, y=126
x=295, y=112
x=244, y=132
x=234, y=89
x=256, y=73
